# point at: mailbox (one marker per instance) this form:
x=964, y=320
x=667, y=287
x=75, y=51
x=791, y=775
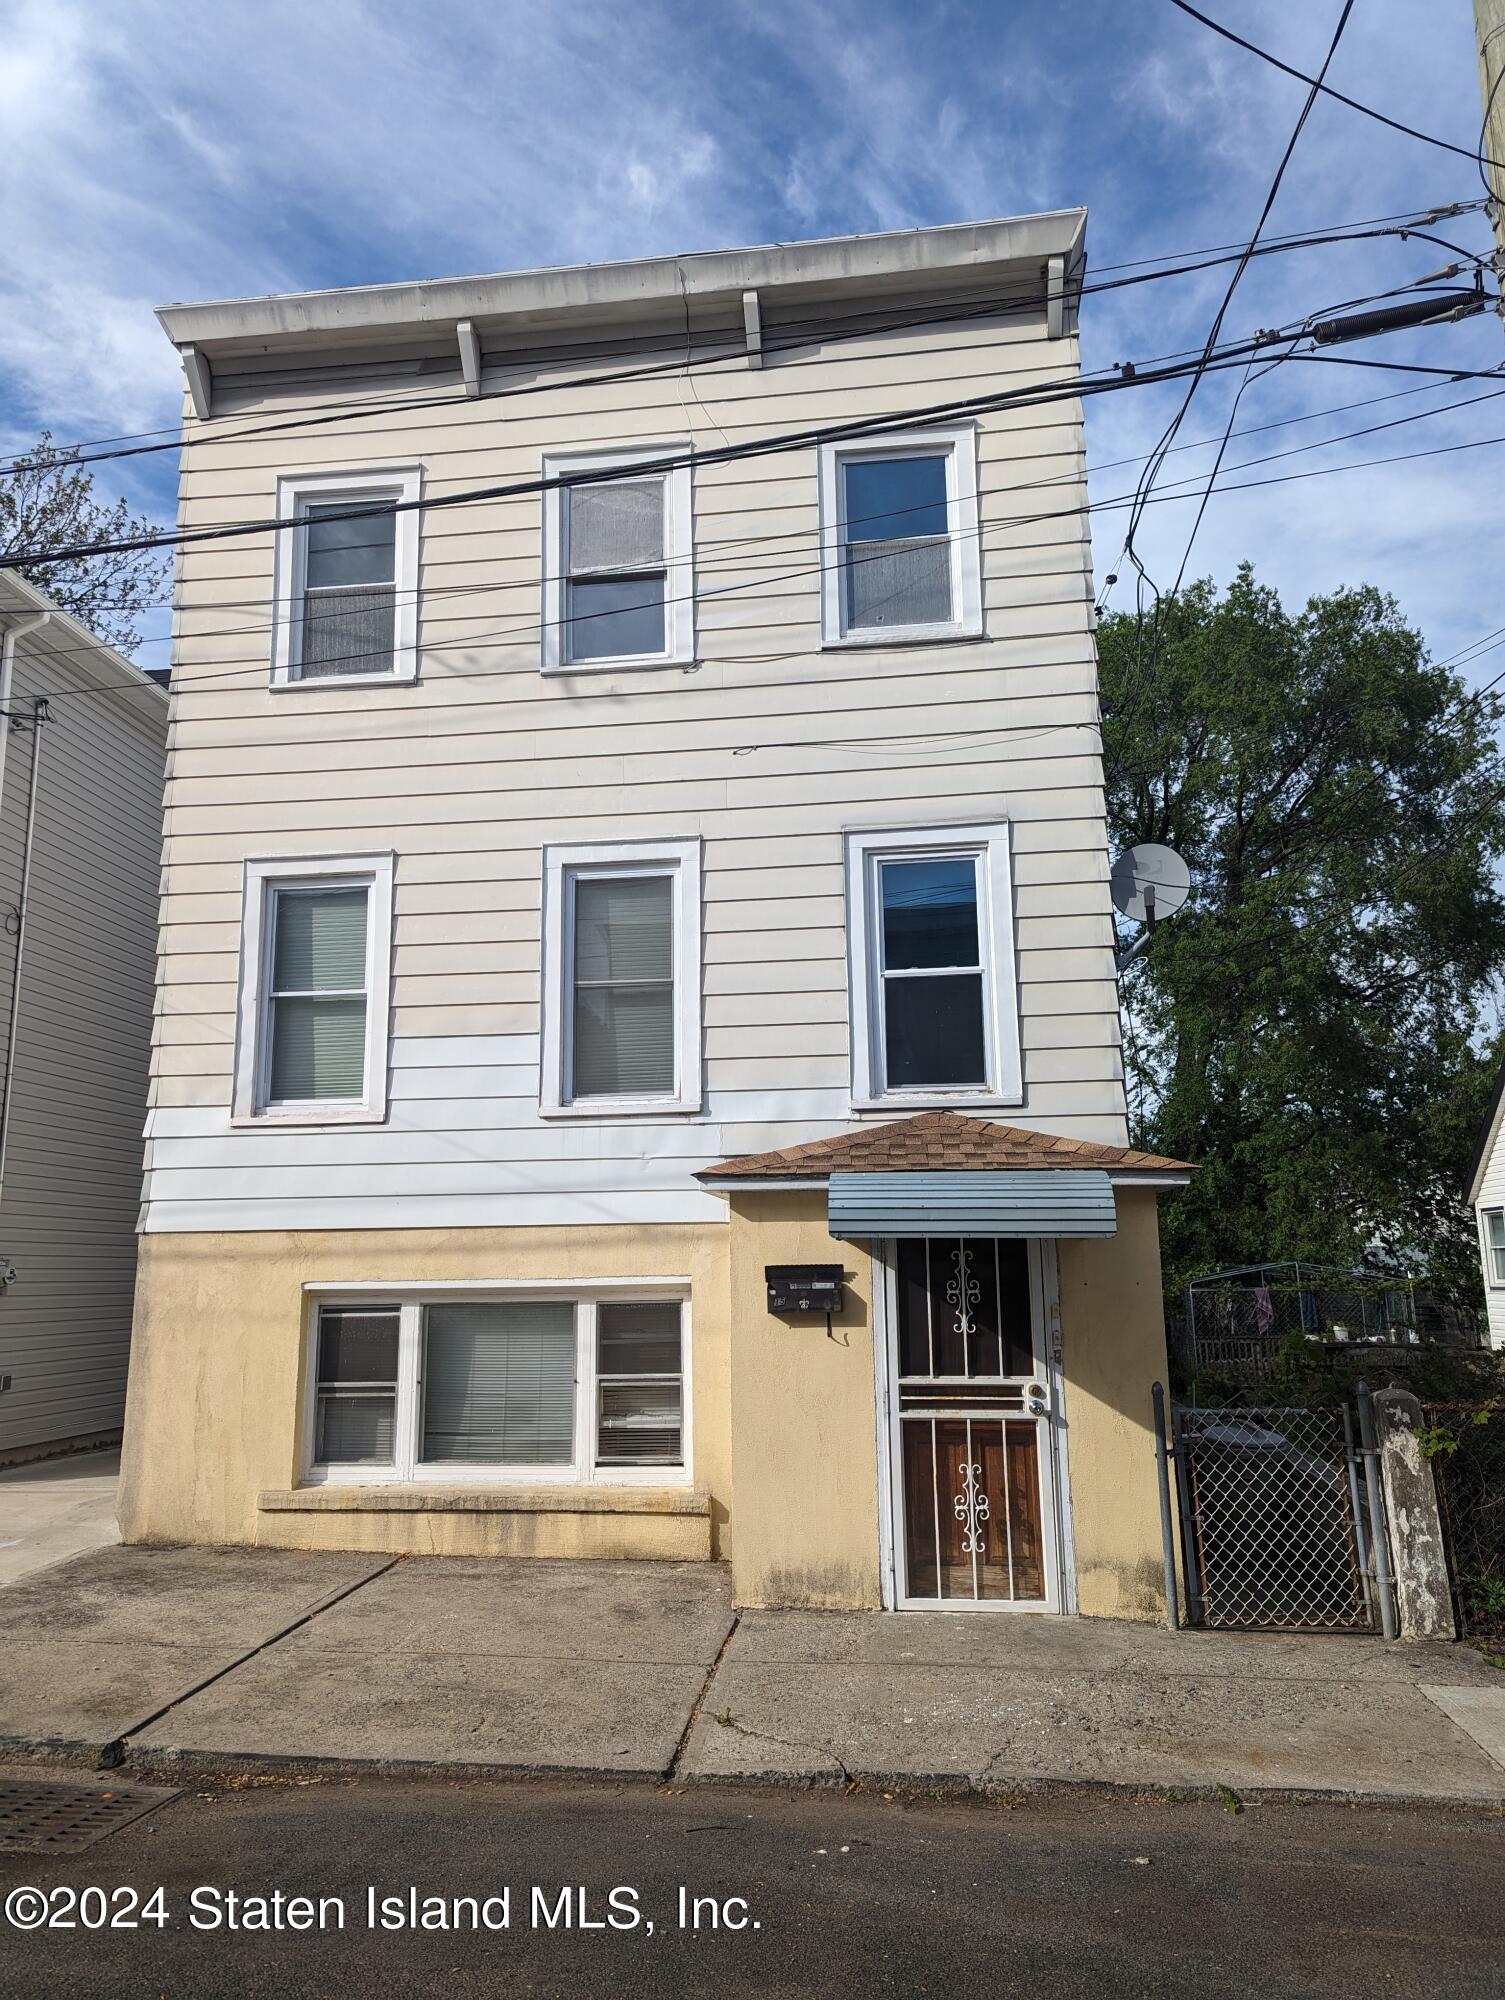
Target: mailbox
x=804, y=1288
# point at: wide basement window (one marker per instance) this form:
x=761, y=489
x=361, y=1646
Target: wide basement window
x=617, y=562
x=347, y=580
x=315, y=971
x=900, y=556
x=622, y=978
x=933, y=1010
x=1494, y=1236
x=520, y=1390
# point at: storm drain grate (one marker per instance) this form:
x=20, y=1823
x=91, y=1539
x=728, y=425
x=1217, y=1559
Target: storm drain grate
x=65, y=1819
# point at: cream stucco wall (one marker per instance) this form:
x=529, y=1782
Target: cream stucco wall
x=1113, y=1347
x=217, y=1388
x=785, y=1412
x=804, y=1417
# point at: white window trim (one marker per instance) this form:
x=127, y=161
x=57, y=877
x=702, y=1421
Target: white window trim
x=959, y=442
x=409, y=1470
x=263, y=877
x=1487, y=1256
x=679, y=559
x=995, y=914
x=679, y=859
x=357, y=485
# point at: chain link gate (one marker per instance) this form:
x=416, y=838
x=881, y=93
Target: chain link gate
x=1276, y=1521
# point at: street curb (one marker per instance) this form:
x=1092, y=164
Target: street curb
x=183, y=1767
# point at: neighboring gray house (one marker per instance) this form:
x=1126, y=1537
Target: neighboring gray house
x=80, y=855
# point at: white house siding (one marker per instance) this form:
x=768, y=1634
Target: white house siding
x=73, y=1158
x=1490, y=1193
x=768, y=749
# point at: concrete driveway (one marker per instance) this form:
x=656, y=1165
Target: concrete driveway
x=56, y=1508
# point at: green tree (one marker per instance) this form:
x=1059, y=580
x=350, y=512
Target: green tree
x=1319, y=1027
x=47, y=501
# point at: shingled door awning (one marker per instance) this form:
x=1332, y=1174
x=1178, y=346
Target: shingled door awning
x=942, y=1174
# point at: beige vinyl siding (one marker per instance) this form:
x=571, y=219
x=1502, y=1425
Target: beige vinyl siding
x=72, y=1176
x=769, y=749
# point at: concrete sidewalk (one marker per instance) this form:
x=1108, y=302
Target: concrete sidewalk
x=181, y=1660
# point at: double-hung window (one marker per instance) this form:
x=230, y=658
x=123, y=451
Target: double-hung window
x=900, y=555
x=1493, y=1220
x=525, y=1388
x=621, y=1026
x=315, y=970
x=618, y=572
x=933, y=1008
x=346, y=595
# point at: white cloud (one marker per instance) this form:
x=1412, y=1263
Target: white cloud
x=155, y=152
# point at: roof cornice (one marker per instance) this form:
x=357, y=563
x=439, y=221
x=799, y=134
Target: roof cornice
x=360, y=312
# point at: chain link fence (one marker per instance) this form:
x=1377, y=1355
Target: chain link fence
x=1466, y=1445
x=1274, y=1527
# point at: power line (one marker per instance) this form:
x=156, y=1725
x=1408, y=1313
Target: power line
x=1065, y=388
x=1157, y=457
x=1055, y=479
x=1368, y=110
x=519, y=631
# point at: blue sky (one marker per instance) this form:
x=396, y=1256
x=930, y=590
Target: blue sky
x=161, y=151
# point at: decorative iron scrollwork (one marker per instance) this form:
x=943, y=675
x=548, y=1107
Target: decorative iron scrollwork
x=963, y=1291
x=970, y=1507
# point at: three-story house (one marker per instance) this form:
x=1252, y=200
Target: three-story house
x=637, y=1067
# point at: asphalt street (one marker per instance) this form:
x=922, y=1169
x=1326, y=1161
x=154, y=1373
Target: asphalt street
x=795, y=1893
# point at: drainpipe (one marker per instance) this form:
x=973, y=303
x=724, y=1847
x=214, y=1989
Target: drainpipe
x=22, y=628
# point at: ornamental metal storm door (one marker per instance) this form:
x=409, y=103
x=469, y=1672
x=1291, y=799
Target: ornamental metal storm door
x=969, y=1402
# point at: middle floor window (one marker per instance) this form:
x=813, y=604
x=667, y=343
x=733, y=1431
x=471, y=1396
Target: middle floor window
x=933, y=1010
x=544, y=1388
x=621, y=999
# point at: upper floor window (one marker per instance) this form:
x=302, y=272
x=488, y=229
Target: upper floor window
x=934, y=1018
x=346, y=582
x=618, y=568
x=1494, y=1243
x=899, y=538
x=315, y=968
x=621, y=1026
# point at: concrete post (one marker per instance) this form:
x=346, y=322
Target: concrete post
x=1422, y=1596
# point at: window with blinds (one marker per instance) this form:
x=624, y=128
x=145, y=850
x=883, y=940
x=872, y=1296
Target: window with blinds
x=499, y=1384
x=355, y=1416
x=639, y=1385
x=622, y=985
x=516, y=1390
x=896, y=542
x=348, y=611
x=617, y=569
x=1494, y=1232
x=317, y=998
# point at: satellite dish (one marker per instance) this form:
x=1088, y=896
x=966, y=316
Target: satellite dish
x=1149, y=882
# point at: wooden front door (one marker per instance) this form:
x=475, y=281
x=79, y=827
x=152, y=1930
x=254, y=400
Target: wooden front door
x=969, y=1398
